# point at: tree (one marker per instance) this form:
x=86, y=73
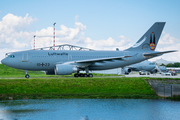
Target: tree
x=177, y=64
x=169, y=65
x=162, y=64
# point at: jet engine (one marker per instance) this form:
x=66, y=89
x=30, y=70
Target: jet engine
x=127, y=70
x=64, y=69
x=154, y=71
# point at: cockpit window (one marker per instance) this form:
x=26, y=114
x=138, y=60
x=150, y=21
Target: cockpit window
x=11, y=56
x=151, y=64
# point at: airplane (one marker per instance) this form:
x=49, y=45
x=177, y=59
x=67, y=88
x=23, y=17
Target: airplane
x=147, y=66
x=57, y=61
x=142, y=66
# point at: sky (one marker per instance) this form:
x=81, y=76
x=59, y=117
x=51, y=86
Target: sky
x=94, y=24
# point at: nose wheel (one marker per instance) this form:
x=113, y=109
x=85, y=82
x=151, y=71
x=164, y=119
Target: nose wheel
x=27, y=75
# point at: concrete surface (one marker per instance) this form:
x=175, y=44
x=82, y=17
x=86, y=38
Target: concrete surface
x=153, y=76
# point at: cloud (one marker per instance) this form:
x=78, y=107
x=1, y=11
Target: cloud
x=76, y=18
x=13, y=28
x=167, y=42
x=11, y=23
x=166, y=39
x=108, y=44
x=19, y=45
x=66, y=35
x=15, y=36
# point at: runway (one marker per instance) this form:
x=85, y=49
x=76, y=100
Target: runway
x=153, y=76
x=130, y=75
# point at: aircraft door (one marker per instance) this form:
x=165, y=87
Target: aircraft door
x=70, y=57
x=25, y=57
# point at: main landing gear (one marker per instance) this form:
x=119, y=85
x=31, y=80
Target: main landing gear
x=27, y=75
x=83, y=75
x=87, y=74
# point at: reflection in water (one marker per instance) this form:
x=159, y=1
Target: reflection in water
x=89, y=109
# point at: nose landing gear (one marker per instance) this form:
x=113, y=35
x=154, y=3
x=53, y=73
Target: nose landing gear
x=27, y=75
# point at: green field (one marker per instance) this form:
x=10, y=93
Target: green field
x=8, y=72
x=75, y=88
x=39, y=86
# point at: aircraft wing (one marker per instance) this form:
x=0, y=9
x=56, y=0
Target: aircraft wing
x=99, y=61
x=157, y=53
x=102, y=59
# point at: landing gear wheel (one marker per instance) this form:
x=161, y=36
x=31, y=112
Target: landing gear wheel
x=27, y=76
x=90, y=75
x=85, y=75
x=76, y=75
x=81, y=75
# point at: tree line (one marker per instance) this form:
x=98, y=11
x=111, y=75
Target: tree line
x=177, y=64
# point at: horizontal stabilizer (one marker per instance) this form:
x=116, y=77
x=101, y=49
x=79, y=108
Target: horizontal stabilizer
x=157, y=53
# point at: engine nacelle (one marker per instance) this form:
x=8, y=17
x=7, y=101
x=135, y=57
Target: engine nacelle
x=64, y=69
x=127, y=70
x=154, y=71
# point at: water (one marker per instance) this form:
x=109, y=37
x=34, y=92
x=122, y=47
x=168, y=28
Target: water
x=89, y=109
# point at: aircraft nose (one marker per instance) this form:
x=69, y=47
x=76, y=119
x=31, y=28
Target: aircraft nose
x=9, y=62
x=4, y=61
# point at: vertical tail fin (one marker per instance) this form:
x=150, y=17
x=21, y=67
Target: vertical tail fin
x=149, y=40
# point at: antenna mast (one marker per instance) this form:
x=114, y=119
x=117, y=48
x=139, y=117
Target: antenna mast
x=54, y=36
x=34, y=41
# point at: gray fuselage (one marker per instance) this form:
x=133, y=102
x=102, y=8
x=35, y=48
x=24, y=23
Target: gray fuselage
x=45, y=60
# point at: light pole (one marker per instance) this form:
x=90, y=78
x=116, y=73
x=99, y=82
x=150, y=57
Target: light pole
x=54, y=36
x=34, y=41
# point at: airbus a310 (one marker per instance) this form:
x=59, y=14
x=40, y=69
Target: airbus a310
x=145, y=66
x=142, y=66
x=66, y=62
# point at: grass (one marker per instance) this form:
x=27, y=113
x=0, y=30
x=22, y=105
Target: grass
x=76, y=88
x=8, y=72
x=41, y=86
